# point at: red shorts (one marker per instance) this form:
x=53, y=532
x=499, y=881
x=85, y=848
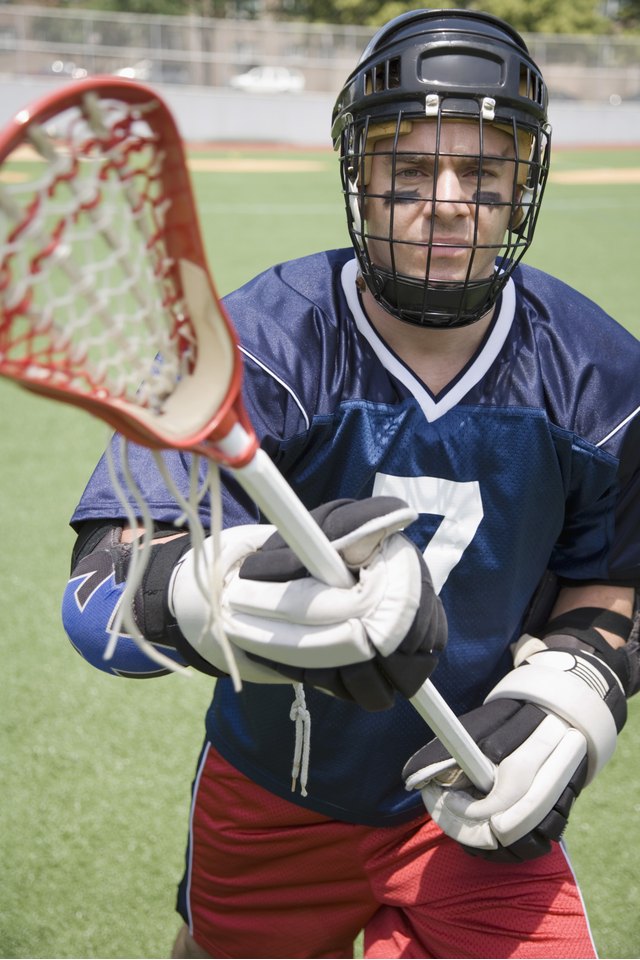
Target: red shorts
x=267, y=878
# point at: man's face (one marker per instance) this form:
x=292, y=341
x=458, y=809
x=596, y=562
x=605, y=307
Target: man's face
x=447, y=214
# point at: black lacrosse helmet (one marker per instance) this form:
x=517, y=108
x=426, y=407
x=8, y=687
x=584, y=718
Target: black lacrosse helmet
x=443, y=65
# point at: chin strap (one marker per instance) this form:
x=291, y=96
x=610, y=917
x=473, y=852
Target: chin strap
x=436, y=304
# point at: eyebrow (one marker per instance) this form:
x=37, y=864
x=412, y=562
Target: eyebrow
x=416, y=159
x=411, y=158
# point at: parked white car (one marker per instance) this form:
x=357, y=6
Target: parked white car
x=139, y=71
x=269, y=80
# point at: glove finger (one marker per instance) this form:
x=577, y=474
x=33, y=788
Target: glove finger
x=548, y=785
x=339, y=518
x=334, y=645
x=454, y=822
x=366, y=524
x=500, y=742
x=528, y=848
x=407, y=674
x=358, y=526
x=553, y=825
x=325, y=679
x=276, y=560
x=358, y=683
x=441, y=771
x=417, y=656
x=480, y=723
x=367, y=686
x=537, y=842
x=430, y=619
x=519, y=776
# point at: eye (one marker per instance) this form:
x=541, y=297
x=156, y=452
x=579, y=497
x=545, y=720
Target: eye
x=482, y=170
x=409, y=173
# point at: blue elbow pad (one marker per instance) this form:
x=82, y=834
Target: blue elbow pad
x=89, y=607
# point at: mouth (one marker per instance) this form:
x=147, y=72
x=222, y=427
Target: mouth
x=446, y=248
x=446, y=258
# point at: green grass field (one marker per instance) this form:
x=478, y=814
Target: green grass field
x=96, y=771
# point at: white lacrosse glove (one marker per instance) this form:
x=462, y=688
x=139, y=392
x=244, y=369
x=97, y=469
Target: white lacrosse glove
x=360, y=643
x=549, y=726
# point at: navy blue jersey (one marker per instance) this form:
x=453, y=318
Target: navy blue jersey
x=528, y=461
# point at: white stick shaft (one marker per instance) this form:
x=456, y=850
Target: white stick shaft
x=437, y=713
x=270, y=491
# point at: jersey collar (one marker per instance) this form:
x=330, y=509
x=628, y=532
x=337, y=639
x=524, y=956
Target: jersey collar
x=433, y=407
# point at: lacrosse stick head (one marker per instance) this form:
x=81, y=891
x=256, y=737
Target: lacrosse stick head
x=106, y=300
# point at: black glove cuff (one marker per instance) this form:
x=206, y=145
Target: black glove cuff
x=590, y=618
x=581, y=623
x=417, y=656
x=151, y=608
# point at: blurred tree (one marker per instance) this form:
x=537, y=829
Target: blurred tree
x=199, y=8
x=356, y=12
x=549, y=16
x=628, y=14
x=159, y=7
x=528, y=16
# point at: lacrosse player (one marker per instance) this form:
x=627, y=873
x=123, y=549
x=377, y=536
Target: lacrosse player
x=466, y=431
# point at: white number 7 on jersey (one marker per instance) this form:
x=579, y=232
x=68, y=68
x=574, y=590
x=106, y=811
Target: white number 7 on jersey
x=459, y=505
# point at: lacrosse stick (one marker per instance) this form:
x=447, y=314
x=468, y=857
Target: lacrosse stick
x=103, y=270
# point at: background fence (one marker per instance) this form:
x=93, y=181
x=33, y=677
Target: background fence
x=594, y=81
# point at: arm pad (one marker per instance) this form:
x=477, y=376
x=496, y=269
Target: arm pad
x=94, y=591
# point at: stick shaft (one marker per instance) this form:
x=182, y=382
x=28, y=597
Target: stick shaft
x=437, y=713
x=269, y=490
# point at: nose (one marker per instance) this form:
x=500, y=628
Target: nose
x=448, y=202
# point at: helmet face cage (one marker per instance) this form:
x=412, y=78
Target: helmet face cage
x=419, y=75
